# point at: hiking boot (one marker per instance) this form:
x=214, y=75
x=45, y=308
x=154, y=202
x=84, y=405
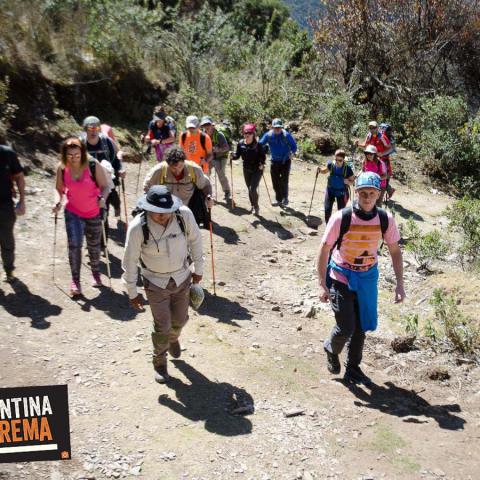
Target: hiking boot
x=9, y=277
x=174, y=349
x=161, y=374
x=333, y=363
x=97, y=280
x=227, y=196
x=75, y=289
x=355, y=375
x=276, y=204
x=392, y=191
x=285, y=202
x=256, y=211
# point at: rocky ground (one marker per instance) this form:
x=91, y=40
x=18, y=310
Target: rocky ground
x=250, y=397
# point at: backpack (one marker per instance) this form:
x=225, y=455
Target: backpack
x=387, y=130
x=143, y=221
x=91, y=167
x=164, y=171
x=203, y=139
x=227, y=132
x=347, y=220
x=107, y=146
x=283, y=137
x=344, y=175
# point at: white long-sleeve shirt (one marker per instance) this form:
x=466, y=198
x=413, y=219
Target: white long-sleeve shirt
x=165, y=253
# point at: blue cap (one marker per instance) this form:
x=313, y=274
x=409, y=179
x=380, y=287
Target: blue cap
x=368, y=180
x=277, y=123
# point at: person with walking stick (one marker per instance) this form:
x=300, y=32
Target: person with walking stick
x=253, y=156
x=166, y=241
x=340, y=177
x=11, y=172
x=83, y=181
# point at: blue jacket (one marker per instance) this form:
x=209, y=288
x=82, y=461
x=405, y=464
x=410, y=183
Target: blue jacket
x=281, y=146
x=365, y=284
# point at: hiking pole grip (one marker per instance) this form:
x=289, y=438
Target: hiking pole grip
x=211, y=249
x=313, y=193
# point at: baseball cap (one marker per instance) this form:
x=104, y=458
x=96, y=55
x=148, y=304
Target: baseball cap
x=206, y=121
x=368, y=180
x=249, y=128
x=192, y=122
x=90, y=120
x=373, y=124
x=277, y=123
x=371, y=149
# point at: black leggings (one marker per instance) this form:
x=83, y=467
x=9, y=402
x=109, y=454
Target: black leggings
x=330, y=200
x=252, y=179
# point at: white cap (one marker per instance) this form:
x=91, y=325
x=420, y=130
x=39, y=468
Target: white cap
x=371, y=149
x=373, y=124
x=192, y=122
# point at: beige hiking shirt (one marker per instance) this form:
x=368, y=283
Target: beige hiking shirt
x=182, y=188
x=165, y=254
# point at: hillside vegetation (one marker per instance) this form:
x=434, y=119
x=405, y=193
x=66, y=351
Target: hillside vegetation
x=413, y=64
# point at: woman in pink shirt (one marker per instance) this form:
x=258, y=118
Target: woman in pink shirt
x=83, y=181
x=372, y=163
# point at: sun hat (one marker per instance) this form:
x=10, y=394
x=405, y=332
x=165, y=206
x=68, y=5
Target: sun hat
x=197, y=295
x=277, y=123
x=206, y=120
x=192, y=122
x=371, y=149
x=159, y=200
x=368, y=180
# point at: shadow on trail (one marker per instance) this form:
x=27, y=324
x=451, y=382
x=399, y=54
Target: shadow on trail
x=206, y=400
x=274, y=227
x=115, y=267
x=115, y=305
x=223, y=309
x=229, y=235
x=405, y=213
x=401, y=402
x=23, y=303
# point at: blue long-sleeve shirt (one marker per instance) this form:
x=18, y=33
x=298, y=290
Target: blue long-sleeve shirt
x=282, y=146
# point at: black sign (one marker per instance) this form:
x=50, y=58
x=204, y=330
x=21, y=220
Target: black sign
x=34, y=424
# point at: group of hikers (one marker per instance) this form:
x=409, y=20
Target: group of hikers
x=164, y=240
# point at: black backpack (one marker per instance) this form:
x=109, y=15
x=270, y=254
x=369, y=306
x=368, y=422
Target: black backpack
x=203, y=139
x=91, y=166
x=347, y=220
x=143, y=222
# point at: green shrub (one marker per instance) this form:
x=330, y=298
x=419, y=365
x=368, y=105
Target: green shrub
x=307, y=148
x=426, y=248
x=411, y=324
x=457, y=330
x=464, y=216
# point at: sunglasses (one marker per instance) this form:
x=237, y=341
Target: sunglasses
x=248, y=133
x=368, y=154
x=372, y=128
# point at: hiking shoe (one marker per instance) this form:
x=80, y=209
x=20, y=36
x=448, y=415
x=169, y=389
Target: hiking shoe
x=174, y=349
x=285, y=202
x=97, y=280
x=9, y=277
x=275, y=204
x=75, y=289
x=257, y=211
x=392, y=191
x=161, y=374
x=333, y=363
x=227, y=196
x=355, y=375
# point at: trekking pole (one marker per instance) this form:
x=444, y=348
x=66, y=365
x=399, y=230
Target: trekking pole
x=211, y=248
x=107, y=256
x=266, y=186
x=313, y=193
x=231, y=180
x=125, y=204
x=216, y=187
x=142, y=157
x=54, y=245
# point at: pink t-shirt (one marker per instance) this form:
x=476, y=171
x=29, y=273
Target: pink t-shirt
x=380, y=168
x=82, y=195
x=358, y=250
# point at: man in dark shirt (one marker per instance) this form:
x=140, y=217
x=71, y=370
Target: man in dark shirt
x=101, y=147
x=11, y=172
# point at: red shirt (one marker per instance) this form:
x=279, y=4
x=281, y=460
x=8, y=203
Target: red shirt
x=380, y=141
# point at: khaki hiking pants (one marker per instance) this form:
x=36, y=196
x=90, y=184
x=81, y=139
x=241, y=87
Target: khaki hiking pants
x=170, y=314
x=220, y=166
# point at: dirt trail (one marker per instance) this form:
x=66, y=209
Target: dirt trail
x=257, y=345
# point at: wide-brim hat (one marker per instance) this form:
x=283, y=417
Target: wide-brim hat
x=159, y=200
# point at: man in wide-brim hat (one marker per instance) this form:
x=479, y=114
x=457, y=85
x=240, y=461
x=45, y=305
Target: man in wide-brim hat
x=166, y=241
